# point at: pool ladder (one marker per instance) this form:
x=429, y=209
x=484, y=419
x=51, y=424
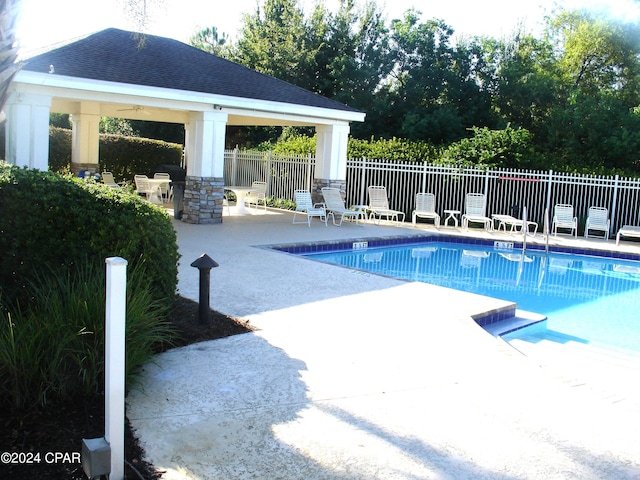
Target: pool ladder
x=525, y=230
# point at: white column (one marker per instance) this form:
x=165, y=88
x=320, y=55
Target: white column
x=27, y=130
x=85, y=134
x=114, y=381
x=331, y=152
x=205, y=136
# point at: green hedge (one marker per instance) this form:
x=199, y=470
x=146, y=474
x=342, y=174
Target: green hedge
x=395, y=149
x=123, y=156
x=51, y=221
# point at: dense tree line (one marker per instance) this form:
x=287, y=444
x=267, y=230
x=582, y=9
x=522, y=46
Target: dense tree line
x=576, y=90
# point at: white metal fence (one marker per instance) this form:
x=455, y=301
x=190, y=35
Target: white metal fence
x=507, y=190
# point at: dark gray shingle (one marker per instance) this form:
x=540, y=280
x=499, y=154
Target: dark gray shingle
x=116, y=56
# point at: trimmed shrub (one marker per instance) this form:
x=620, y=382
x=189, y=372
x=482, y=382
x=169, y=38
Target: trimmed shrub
x=53, y=221
x=394, y=149
x=55, y=234
x=123, y=156
x=510, y=148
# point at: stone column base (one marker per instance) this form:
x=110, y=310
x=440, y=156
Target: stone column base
x=320, y=183
x=203, y=200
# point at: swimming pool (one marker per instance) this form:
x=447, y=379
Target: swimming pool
x=587, y=299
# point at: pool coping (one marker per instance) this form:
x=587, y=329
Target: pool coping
x=358, y=243
x=499, y=321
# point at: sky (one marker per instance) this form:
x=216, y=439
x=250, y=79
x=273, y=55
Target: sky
x=46, y=22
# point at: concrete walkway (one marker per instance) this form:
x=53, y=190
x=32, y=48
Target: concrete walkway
x=357, y=376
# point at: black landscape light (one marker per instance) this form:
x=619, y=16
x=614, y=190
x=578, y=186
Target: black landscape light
x=204, y=263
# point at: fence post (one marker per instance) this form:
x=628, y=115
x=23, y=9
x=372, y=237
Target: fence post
x=549, y=190
x=486, y=184
x=363, y=177
x=309, y=160
x=267, y=176
x=234, y=167
x=115, y=362
x=424, y=176
x=613, y=206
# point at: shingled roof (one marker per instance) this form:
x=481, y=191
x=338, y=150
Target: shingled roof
x=114, y=55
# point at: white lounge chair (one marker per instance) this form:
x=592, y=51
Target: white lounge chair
x=425, y=208
x=627, y=231
x=505, y=221
x=257, y=195
x=379, y=204
x=475, y=206
x=335, y=206
x=107, y=179
x=563, y=218
x=598, y=220
x=305, y=206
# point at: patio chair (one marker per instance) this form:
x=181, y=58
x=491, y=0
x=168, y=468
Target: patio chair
x=335, y=206
x=426, y=208
x=107, y=179
x=379, y=204
x=260, y=194
x=563, y=218
x=598, y=220
x=475, y=206
x=627, y=231
x=166, y=190
x=143, y=187
x=304, y=205
x=514, y=223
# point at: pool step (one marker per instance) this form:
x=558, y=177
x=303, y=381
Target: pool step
x=520, y=319
x=610, y=371
x=558, y=345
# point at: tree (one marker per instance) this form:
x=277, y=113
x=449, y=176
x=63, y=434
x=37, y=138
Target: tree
x=274, y=41
x=141, y=13
x=523, y=81
x=597, y=53
x=595, y=124
x=210, y=41
x=434, y=87
x=353, y=59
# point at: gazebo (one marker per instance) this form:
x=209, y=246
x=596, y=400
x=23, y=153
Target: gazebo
x=116, y=73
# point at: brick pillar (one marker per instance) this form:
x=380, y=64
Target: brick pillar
x=320, y=183
x=203, y=200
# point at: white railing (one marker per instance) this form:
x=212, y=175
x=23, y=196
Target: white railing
x=284, y=174
x=506, y=190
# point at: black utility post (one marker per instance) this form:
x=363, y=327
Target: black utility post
x=204, y=263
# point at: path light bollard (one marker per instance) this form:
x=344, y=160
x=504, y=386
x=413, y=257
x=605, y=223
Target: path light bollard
x=204, y=263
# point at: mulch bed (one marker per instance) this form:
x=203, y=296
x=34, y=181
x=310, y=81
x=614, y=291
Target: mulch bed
x=62, y=428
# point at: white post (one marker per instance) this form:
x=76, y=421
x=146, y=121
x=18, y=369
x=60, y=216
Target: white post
x=114, y=363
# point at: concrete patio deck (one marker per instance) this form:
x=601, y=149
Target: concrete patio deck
x=358, y=376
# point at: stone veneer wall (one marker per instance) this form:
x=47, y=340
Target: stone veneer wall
x=320, y=183
x=203, y=200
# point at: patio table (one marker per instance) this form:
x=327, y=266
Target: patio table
x=241, y=193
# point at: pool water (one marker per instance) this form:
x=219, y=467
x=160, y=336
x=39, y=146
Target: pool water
x=587, y=299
